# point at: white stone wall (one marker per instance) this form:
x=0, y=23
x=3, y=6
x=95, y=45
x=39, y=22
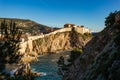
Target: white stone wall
x=82, y=30
x=79, y=30
x=23, y=46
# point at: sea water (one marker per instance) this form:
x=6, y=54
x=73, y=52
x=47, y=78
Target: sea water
x=47, y=66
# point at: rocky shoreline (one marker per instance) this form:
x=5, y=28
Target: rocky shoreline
x=18, y=71
x=22, y=70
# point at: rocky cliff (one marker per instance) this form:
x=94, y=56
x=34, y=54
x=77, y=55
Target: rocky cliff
x=100, y=59
x=64, y=39
x=59, y=41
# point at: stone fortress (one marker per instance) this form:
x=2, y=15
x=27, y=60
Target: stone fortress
x=80, y=29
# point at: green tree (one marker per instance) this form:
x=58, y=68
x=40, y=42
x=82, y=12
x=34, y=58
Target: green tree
x=9, y=43
x=74, y=55
x=110, y=20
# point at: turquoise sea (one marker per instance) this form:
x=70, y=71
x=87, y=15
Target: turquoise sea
x=47, y=65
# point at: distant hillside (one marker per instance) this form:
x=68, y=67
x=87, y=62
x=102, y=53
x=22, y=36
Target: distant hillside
x=29, y=26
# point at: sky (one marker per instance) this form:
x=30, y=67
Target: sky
x=56, y=13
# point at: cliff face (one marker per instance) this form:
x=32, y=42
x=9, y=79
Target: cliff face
x=101, y=58
x=59, y=41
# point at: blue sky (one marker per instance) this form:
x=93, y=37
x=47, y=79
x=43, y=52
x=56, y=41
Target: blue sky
x=55, y=13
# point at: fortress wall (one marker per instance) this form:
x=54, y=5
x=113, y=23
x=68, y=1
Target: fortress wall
x=79, y=30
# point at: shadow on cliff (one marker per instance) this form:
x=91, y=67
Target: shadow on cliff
x=74, y=39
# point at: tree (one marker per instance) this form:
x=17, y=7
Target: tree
x=9, y=43
x=74, y=55
x=110, y=20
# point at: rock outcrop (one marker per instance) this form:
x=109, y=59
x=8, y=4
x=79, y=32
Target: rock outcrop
x=100, y=59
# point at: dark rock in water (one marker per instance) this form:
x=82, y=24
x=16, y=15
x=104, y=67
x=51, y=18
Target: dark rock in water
x=25, y=70
x=18, y=72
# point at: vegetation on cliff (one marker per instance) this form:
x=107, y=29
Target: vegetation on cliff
x=110, y=20
x=74, y=55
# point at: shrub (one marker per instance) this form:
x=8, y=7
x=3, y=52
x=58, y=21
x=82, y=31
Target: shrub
x=74, y=55
x=86, y=35
x=110, y=20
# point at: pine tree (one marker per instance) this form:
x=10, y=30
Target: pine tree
x=110, y=20
x=9, y=43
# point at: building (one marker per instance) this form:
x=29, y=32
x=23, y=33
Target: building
x=69, y=25
x=80, y=29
